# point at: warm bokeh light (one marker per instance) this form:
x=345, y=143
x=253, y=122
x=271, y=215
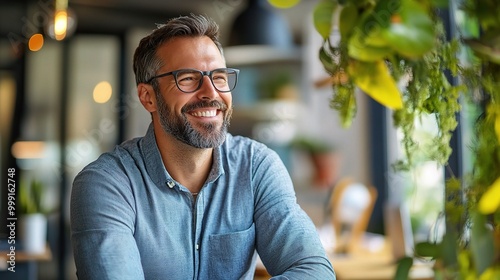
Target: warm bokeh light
x=7, y=100
x=28, y=149
x=103, y=92
x=36, y=42
x=60, y=24
x=283, y=4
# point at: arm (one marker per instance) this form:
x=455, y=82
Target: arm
x=287, y=240
x=102, y=226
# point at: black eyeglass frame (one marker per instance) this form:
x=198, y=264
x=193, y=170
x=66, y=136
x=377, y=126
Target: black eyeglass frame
x=203, y=73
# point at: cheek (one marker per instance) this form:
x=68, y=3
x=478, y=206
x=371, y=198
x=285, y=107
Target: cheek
x=228, y=99
x=175, y=100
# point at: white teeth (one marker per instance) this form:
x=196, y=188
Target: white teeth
x=210, y=113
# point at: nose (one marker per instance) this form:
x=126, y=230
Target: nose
x=207, y=90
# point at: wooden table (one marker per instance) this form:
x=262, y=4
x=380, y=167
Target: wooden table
x=26, y=265
x=365, y=263
x=372, y=260
x=22, y=256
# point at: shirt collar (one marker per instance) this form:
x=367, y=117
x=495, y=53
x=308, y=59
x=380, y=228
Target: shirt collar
x=156, y=169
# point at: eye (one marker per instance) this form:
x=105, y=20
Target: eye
x=219, y=77
x=188, y=77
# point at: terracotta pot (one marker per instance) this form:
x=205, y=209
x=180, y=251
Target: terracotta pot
x=325, y=169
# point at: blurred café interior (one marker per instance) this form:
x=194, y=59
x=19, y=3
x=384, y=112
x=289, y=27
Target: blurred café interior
x=65, y=99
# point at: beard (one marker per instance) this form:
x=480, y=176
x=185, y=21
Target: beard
x=209, y=135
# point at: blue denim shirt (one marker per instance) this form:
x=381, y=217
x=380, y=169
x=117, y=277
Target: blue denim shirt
x=131, y=220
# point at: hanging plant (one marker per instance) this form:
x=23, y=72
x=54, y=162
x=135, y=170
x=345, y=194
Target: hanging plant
x=396, y=52
x=393, y=52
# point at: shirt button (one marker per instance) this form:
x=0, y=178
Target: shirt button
x=197, y=246
x=170, y=183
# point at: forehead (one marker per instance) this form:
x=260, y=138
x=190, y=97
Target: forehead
x=190, y=52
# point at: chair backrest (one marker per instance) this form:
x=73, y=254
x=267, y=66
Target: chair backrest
x=351, y=205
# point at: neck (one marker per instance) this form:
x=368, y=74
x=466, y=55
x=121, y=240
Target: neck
x=187, y=165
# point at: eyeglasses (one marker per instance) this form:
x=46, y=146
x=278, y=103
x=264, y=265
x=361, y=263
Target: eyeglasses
x=190, y=80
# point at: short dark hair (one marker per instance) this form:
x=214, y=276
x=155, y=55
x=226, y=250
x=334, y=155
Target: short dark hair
x=147, y=63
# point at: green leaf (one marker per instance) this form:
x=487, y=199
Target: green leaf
x=482, y=243
x=428, y=249
x=360, y=50
x=323, y=17
x=440, y=3
x=403, y=268
x=380, y=16
x=348, y=19
x=30, y=197
x=449, y=249
x=487, y=12
x=497, y=126
x=327, y=61
x=374, y=19
x=411, y=32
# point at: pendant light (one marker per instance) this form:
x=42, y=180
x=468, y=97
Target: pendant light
x=260, y=24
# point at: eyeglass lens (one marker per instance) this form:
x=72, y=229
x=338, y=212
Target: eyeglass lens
x=223, y=80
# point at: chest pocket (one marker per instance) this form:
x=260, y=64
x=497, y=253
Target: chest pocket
x=231, y=254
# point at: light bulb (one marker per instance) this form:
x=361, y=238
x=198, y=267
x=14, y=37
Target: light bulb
x=62, y=24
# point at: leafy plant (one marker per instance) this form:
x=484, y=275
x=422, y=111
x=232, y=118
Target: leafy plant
x=396, y=52
x=30, y=198
x=272, y=87
x=312, y=145
x=386, y=43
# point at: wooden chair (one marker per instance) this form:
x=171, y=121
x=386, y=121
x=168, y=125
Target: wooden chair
x=351, y=205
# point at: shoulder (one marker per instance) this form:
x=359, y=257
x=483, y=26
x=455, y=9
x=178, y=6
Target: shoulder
x=111, y=165
x=243, y=151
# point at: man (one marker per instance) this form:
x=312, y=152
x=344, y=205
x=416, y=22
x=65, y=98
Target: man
x=188, y=200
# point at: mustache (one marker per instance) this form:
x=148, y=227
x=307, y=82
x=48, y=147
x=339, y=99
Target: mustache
x=205, y=104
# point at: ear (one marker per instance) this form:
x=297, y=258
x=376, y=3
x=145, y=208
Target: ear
x=147, y=97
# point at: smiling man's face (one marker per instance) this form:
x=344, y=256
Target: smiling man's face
x=201, y=118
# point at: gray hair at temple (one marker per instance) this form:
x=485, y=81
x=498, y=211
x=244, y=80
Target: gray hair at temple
x=146, y=63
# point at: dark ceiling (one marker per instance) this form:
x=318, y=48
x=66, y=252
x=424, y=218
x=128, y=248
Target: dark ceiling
x=96, y=15
x=116, y=16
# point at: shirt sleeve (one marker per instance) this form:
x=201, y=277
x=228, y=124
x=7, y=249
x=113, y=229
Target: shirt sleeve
x=287, y=240
x=102, y=225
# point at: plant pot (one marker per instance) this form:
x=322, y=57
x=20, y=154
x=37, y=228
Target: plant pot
x=33, y=233
x=326, y=167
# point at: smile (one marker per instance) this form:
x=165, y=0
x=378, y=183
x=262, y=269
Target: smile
x=206, y=113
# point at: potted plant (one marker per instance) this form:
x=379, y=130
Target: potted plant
x=33, y=219
x=324, y=158
x=396, y=51
x=276, y=109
